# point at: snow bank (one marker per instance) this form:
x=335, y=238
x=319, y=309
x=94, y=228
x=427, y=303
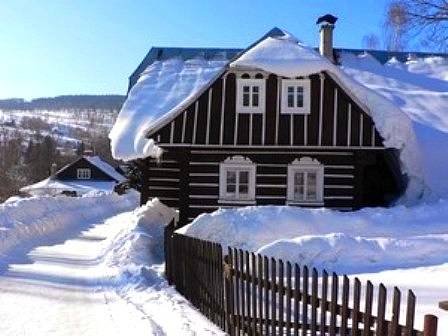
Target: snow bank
x=27, y=219
x=347, y=254
x=383, y=238
x=417, y=89
x=138, y=257
x=287, y=57
x=164, y=89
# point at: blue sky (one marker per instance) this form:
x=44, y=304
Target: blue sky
x=54, y=47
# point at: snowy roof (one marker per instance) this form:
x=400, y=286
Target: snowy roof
x=105, y=167
x=164, y=89
x=52, y=186
x=165, y=53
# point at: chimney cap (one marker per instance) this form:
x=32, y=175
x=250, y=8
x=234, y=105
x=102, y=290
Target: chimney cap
x=327, y=19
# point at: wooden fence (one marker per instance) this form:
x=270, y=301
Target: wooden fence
x=249, y=294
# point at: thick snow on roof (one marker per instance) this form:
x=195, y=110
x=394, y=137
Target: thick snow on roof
x=419, y=89
x=52, y=187
x=164, y=89
x=105, y=167
x=286, y=56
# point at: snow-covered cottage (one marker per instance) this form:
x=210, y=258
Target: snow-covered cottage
x=86, y=174
x=276, y=123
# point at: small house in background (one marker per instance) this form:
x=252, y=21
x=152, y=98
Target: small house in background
x=86, y=174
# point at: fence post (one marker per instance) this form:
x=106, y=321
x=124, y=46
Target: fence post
x=430, y=328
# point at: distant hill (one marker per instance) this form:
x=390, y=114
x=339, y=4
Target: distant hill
x=109, y=102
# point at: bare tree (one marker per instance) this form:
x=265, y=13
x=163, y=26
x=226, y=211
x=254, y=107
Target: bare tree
x=371, y=41
x=427, y=19
x=396, y=26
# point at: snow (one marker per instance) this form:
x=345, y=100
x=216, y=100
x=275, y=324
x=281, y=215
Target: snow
x=25, y=219
x=399, y=246
x=288, y=57
x=52, y=187
x=163, y=90
x=419, y=89
x=98, y=275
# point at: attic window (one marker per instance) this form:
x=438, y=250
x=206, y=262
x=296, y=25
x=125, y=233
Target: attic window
x=296, y=96
x=251, y=95
x=83, y=173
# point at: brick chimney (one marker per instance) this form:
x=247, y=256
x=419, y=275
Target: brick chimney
x=326, y=26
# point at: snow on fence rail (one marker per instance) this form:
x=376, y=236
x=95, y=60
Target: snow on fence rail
x=244, y=293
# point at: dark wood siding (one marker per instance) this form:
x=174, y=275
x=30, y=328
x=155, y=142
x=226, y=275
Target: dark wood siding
x=70, y=172
x=208, y=117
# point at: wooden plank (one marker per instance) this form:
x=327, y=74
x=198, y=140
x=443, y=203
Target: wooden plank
x=296, y=297
x=260, y=293
x=266, y=294
x=288, y=297
x=248, y=300
x=273, y=295
x=410, y=314
x=367, y=321
x=237, y=293
x=334, y=304
x=314, y=301
x=221, y=281
x=230, y=292
x=305, y=300
x=344, y=308
x=380, y=323
x=281, y=297
x=243, y=290
x=254, y=293
x=324, y=304
x=394, y=326
x=356, y=306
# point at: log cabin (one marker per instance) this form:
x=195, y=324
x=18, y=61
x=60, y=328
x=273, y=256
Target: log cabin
x=251, y=136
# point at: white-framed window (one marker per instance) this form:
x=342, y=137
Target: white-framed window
x=306, y=182
x=237, y=180
x=83, y=173
x=296, y=96
x=250, y=95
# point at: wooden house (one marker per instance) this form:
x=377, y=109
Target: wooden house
x=84, y=175
x=252, y=137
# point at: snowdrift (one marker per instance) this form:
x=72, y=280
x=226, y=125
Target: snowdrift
x=366, y=240
x=26, y=219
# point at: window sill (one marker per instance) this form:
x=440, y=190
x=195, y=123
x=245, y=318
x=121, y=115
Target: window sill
x=249, y=111
x=318, y=203
x=295, y=112
x=226, y=201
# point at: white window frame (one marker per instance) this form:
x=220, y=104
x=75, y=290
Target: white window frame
x=83, y=173
x=306, y=108
x=251, y=82
x=306, y=165
x=237, y=164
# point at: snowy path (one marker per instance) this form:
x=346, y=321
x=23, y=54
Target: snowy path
x=73, y=288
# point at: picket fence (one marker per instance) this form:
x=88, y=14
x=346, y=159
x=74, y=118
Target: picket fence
x=249, y=294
